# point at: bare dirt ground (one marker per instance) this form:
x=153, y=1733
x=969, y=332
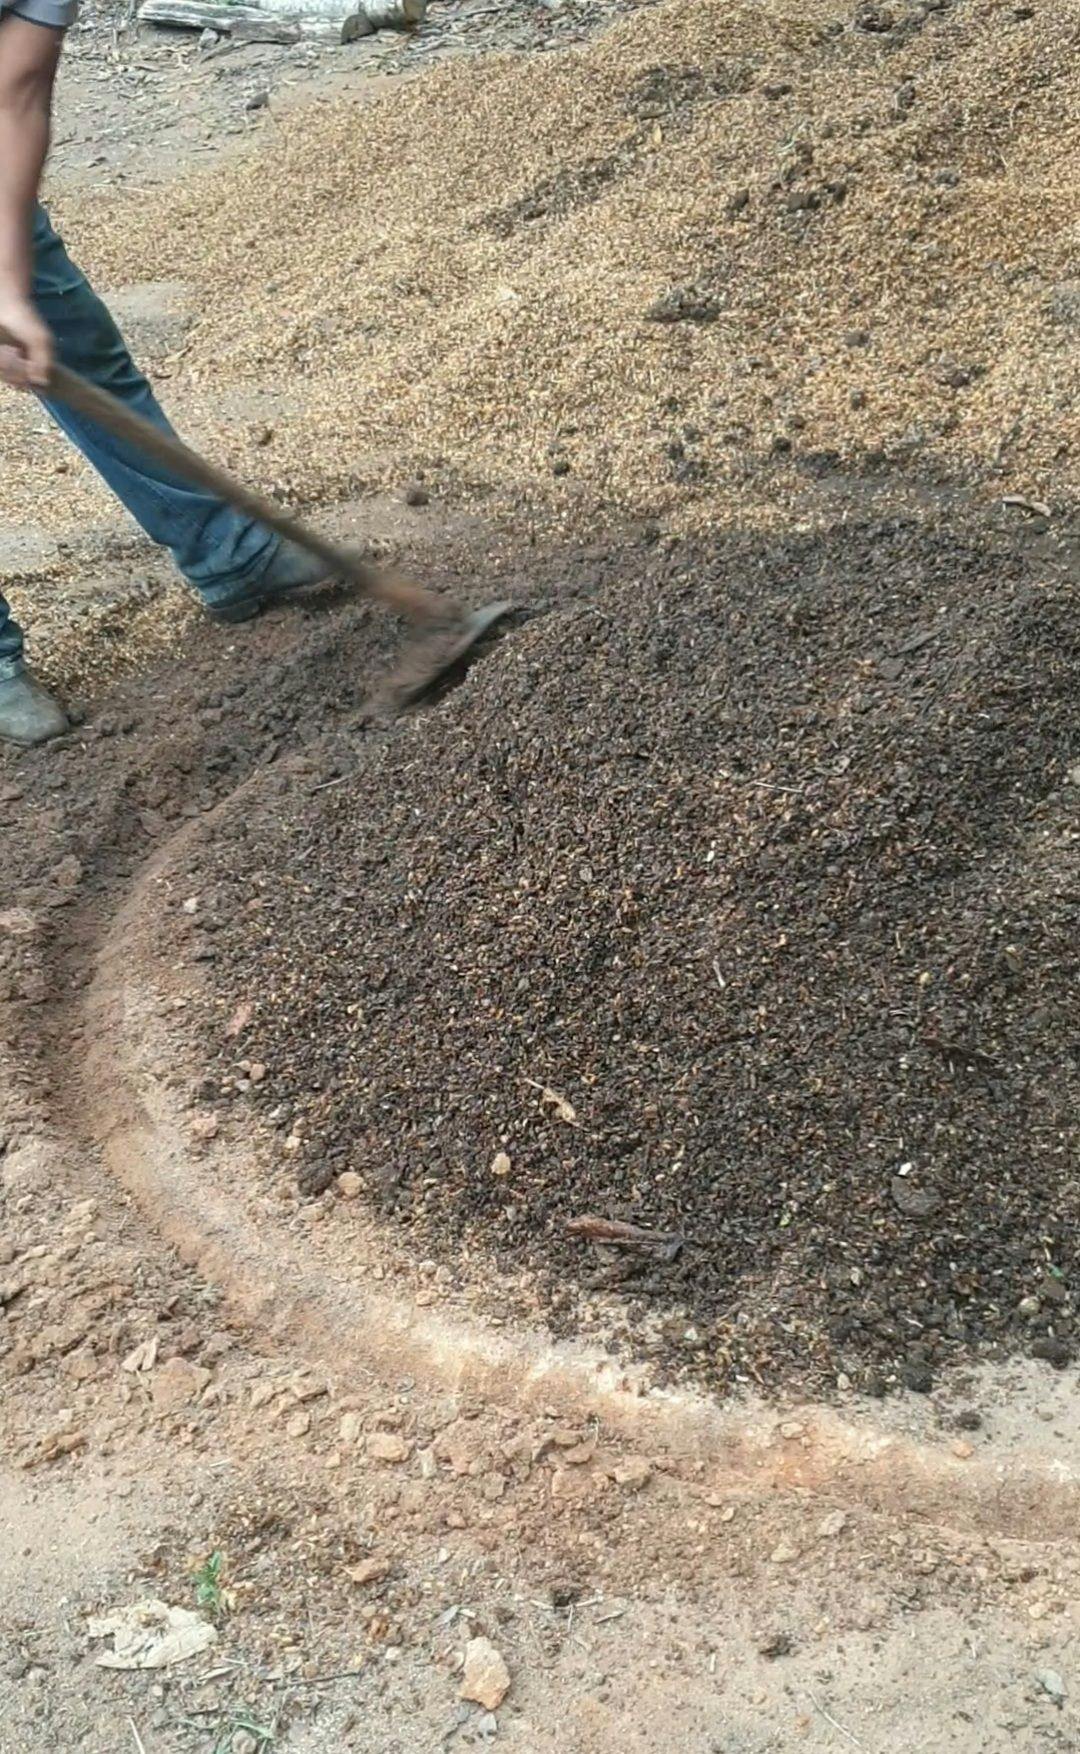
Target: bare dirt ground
x=272, y=1412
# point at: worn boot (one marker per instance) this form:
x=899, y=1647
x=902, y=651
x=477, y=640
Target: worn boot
x=292, y=569
x=28, y=715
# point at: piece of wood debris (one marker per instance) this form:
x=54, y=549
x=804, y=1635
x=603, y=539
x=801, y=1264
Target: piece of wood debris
x=612, y=1231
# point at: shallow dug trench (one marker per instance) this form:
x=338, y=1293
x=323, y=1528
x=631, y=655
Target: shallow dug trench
x=733, y=900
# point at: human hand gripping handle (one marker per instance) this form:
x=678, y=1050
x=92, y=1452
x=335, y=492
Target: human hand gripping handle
x=26, y=344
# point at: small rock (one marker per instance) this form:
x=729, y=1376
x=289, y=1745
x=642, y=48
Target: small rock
x=968, y=1420
x=244, y=1742
x=417, y=494
x=738, y=202
x=953, y=376
x=259, y=100
x=1029, y=1307
x=684, y=304
x=59, y=1443
x=66, y=877
x=1056, y=1352
x=579, y=1454
x=350, y=1185
x=918, y=1378
x=369, y=1571
x=388, y=1446
x=784, y=1554
x=485, y=1678
x=350, y=1427
x=777, y=1644
x=633, y=1473
x=142, y=1357
x=500, y=1164
x=177, y=1384
x=21, y=923
x=834, y=1524
x=1051, y=1684
x=874, y=19
x=962, y=1450
x=913, y=1201
x=306, y=1388
x=1063, y=304
x=299, y=1425
x=206, y=1126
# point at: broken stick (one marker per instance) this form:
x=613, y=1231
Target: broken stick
x=612, y=1231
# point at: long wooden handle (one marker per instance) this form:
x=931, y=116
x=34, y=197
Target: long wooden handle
x=399, y=594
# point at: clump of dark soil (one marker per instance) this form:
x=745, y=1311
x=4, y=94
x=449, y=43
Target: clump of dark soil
x=736, y=901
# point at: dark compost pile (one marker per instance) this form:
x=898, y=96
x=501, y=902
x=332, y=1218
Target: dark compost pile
x=737, y=901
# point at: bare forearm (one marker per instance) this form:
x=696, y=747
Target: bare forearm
x=28, y=59
x=24, y=146
x=28, y=56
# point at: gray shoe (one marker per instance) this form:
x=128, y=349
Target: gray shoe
x=28, y=715
x=292, y=569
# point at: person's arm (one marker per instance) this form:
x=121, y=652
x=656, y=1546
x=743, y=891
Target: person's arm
x=28, y=59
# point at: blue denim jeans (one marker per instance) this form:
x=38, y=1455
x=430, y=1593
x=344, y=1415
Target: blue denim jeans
x=218, y=551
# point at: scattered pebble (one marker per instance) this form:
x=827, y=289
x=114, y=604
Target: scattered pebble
x=1052, y=1685
x=784, y=1554
x=485, y=1678
x=388, y=1446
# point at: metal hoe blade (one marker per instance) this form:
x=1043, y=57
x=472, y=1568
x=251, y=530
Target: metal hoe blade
x=447, y=656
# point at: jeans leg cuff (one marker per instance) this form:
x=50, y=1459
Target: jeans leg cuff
x=218, y=592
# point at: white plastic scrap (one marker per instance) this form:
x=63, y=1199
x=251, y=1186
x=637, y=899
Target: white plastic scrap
x=150, y=1635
